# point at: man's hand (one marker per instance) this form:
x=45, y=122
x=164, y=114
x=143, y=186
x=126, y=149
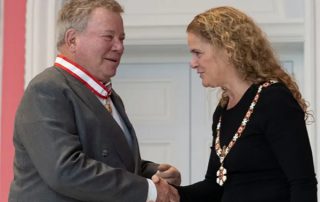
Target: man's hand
x=165, y=192
x=169, y=173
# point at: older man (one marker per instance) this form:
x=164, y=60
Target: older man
x=73, y=140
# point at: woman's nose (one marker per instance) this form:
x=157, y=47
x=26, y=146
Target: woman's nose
x=193, y=64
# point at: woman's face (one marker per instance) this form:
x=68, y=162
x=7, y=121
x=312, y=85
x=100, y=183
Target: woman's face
x=210, y=62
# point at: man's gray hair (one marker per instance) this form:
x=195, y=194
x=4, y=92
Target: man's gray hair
x=75, y=14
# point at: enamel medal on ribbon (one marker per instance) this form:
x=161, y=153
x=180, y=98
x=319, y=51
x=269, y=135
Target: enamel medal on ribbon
x=108, y=105
x=221, y=175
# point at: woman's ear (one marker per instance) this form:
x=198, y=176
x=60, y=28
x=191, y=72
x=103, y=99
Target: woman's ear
x=70, y=39
x=228, y=54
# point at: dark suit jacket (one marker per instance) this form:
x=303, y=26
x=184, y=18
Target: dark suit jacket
x=69, y=148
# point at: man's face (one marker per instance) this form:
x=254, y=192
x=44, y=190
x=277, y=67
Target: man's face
x=99, y=47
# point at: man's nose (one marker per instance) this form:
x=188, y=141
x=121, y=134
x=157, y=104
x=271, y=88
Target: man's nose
x=118, y=46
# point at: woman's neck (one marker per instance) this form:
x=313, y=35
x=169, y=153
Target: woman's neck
x=235, y=91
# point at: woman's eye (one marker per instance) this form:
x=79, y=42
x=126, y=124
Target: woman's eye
x=196, y=53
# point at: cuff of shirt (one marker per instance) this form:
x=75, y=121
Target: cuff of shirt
x=152, y=191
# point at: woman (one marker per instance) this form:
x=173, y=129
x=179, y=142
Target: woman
x=261, y=151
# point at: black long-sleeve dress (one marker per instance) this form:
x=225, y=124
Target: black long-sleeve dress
x=270, y=162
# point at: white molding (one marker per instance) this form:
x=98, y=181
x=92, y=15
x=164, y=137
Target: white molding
x=156, y=92
x=284, y=32
x=179, y=53
x=155, y=54
x=179, y=12
x=310, y=78
x=176, y=34
x=40, y=36
x=317, y=57
x=317, y=85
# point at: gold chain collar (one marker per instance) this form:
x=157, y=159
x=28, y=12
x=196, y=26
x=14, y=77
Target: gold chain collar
x=223, y=152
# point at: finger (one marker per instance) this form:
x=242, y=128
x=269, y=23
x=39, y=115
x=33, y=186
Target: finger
x=165, y=174
x=163, y=167
x=170, y=173
x=172, y=180
x=176, y=180
x=155, y=179
x=174, y=195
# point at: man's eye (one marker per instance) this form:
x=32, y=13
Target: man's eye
x=108, y=37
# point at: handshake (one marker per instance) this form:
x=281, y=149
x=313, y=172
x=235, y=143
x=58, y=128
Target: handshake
x=164, y=179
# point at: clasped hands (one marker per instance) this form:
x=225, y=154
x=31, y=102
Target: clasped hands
x=163, y=179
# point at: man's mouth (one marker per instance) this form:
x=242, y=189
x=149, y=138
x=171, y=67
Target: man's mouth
x=112, y=59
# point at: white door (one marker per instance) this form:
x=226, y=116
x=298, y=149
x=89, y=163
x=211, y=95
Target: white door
x=203, y=104
x=157, y=100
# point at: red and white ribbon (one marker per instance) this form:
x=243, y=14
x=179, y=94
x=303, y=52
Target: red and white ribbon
x=84, y=76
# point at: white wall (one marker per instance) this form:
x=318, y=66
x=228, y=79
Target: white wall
x=311, y=85
x=317, y=65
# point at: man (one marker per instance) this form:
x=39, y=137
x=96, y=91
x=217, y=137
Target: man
x=73, y=140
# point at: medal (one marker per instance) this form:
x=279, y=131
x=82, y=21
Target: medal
x=108, y=107
x=221, y=175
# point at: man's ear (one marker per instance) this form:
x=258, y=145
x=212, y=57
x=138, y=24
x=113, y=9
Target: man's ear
x=70, y=39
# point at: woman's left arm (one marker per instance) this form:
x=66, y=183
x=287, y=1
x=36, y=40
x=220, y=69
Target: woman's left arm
x=287, y=134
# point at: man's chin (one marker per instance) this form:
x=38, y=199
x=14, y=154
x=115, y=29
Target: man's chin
x=105, y=78
x=111, y=75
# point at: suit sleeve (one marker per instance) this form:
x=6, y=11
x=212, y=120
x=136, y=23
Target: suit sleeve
x=287, y=134
x=148, y=168
x=47, y=128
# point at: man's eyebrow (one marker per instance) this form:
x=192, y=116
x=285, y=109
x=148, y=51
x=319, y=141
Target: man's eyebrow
x=108, y=31
x=112, y=32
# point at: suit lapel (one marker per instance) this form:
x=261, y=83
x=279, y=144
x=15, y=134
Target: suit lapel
x=120, y=108
x=112, y=127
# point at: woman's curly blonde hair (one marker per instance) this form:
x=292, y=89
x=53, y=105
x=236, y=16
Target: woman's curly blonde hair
x=250, y=51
